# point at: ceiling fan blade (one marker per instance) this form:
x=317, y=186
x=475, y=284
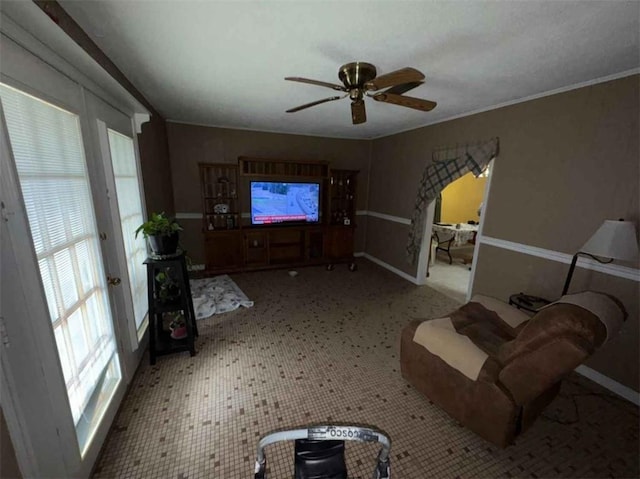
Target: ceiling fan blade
x=333, y=86
x=404, y=87
x=314, y=103
x=358, y=112
x=404, y=75
x=408, y=101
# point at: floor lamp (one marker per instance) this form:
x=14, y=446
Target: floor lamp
x=613, y=240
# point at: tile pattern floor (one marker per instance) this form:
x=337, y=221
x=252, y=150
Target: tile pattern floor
x=452, y=280
x=323, y=347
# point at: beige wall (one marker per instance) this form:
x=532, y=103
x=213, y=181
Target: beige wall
x=462, y=198
x=190, y=145
x=566, y=163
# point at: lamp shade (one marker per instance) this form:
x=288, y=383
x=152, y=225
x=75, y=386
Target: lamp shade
x=615, y=240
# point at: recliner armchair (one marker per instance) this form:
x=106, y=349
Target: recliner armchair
x=493, y=368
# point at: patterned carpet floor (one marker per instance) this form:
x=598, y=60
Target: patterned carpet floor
x=323, y=347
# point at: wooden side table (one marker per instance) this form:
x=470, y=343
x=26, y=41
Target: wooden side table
x=160, y=340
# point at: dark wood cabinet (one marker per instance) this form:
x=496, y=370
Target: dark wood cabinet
x=339, y=244
x=342, y=197
x=232, y=246
x=286, y=246
x=256, y=251
x=223, y=251
x=341, y=220
x=283, y=246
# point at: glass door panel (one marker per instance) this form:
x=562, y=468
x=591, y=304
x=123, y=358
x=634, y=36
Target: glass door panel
x=49, y=155
x=125, y=172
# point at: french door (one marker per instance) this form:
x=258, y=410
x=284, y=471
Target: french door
x=70, y=303
x=121, y=210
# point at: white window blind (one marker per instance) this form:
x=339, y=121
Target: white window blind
x=125, y=173
x=49, y=156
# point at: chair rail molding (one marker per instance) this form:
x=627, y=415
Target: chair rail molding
x=384, y=216
x=586, y=263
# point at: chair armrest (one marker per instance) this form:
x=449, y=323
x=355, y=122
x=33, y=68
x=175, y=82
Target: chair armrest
x=532, y=373
x=440, y=338
x=510, y=315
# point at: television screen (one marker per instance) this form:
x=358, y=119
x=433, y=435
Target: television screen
x=275, y=202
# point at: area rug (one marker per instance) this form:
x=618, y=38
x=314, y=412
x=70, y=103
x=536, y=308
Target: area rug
x=216, y=295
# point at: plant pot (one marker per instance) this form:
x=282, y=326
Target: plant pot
x=164, y=244
x=179, y=332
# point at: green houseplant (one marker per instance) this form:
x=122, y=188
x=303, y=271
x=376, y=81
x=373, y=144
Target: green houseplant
x=162, y=233
x=167, y=289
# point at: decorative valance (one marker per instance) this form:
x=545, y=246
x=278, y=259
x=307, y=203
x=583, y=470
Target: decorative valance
x=448, y=164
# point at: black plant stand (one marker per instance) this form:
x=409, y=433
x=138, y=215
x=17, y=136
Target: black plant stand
x=160, y=340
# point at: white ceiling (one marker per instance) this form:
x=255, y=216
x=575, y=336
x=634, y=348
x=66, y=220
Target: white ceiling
x=223, y=63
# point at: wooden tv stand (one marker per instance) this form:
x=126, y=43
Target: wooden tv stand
x=231, y=244
x=281, y=246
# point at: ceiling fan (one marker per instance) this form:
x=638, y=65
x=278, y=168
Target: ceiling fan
x=359, y=80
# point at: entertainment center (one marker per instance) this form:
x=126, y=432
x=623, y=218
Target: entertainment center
x=300, y=213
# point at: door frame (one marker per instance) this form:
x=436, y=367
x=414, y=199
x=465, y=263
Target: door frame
x=43, y=435
x=423, y=258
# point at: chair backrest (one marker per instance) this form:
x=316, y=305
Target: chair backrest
x=555, y=341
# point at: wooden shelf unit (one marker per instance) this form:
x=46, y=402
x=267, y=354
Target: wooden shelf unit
x=239, y=247
x=262, y=167
x=342, y=197
x=220, y=203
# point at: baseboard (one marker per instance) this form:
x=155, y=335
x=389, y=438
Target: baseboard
x=400, y=273
x=608, y=383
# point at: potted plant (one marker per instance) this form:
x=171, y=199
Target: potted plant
x=162, y=233
x=178, y=326
x=167, y=287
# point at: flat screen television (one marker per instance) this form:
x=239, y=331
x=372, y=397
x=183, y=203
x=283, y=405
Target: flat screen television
x=275, y=202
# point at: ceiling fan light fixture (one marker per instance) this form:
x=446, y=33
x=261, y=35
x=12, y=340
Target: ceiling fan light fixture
x=359, y=78
x=356, y=74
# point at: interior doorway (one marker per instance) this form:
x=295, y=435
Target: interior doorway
x=452, y=235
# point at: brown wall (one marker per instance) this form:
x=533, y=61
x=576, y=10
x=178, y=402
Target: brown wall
x=191, y=144
x=567, y=162
x=8, y=464
x=155, y=165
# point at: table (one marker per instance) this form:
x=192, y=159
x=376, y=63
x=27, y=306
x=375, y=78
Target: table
x=527, y=302
x=456, y=235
